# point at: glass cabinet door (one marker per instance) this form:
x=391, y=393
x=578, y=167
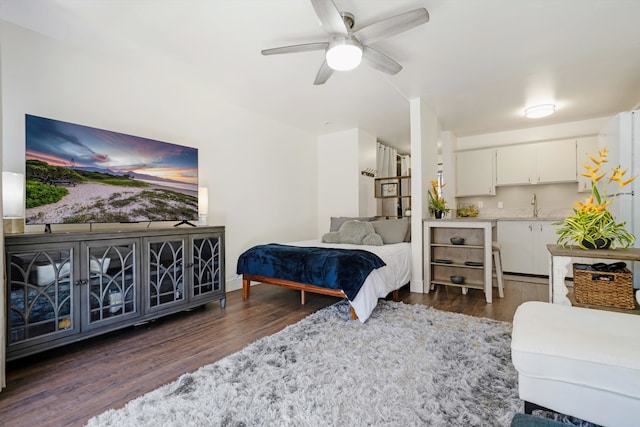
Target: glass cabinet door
x=110, y=281
x=207, y=256
x=41, y=294
x=165, y=272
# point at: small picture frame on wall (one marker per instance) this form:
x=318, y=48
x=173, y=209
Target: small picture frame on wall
x=389, y=189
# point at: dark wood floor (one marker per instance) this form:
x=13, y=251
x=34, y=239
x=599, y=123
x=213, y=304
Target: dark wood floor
x=69, y=385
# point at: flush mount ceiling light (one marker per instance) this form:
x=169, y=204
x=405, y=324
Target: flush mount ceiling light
x=344, y=54
x=538, y=111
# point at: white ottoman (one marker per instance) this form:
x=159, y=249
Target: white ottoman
x=579, y=361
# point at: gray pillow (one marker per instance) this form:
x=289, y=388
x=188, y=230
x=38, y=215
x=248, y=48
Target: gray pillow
x=392, y=230
x=331, y=237
x=336, y=222
x=355, y=233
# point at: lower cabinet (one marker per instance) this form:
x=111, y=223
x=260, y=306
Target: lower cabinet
x=524, y=245
x=64, y=287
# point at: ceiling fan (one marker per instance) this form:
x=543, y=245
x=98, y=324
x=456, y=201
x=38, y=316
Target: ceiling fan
x=346, y=48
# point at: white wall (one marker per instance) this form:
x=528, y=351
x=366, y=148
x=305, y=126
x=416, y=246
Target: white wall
x=534, y=134
x=342, y=190
x=367, y=147
x=262, y=175
x=447, y=157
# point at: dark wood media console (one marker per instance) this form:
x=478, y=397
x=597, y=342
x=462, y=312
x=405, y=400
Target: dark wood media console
x=65, y=287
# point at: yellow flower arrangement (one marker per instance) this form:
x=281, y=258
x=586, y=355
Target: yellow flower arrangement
x=592, y=225
x=436, y=201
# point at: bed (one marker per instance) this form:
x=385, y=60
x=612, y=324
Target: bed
x=378, y=282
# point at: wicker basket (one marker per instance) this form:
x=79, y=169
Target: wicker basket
x=612, y=289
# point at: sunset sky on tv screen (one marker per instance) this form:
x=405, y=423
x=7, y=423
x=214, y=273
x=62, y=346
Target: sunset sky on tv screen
x=75, y=146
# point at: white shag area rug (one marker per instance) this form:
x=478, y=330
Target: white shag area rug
x=407, y=365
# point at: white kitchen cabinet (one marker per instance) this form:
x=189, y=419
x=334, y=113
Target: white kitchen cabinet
x=537, y=163
x=475, y=173
x=556, y=161
x=524, y=245
x=515, y=164
x=583, y=146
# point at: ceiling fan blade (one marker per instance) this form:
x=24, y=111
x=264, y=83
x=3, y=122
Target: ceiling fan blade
x=330, y=17
x=380, y=61
x=391, y=26
x=295, y=48
x=323, y=74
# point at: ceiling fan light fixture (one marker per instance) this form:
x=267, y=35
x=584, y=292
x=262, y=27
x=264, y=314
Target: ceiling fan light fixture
x=344, y=55
x=539, y=111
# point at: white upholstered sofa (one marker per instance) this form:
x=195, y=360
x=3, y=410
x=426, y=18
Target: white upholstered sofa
x=578, y=361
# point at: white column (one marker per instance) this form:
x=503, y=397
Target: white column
x=424, y=168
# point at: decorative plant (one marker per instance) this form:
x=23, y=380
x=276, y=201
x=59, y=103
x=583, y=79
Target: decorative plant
x=467, y=210
x=436, y=201
x=592, y=225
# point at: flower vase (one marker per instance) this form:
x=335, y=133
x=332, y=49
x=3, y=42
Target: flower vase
x=438, y=214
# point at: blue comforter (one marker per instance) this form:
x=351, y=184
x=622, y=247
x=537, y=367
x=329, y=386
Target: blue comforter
x=344, y=269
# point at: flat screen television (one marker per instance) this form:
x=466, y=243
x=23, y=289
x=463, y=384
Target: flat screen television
x=78, y=174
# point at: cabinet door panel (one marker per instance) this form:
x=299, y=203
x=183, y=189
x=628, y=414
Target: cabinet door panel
x=516, y=238
x=475, y=173
x=544, y=233
x=206, y=262
x=515, y=164
x=111, y=275
x=165, y=273
x=556, y=161
x=42, y=294
x=583, y=146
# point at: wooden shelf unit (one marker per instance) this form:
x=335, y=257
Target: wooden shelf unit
x=478, y=237
x=393, y=196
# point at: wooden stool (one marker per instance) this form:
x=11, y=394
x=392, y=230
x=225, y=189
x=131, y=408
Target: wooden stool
x=497, y=266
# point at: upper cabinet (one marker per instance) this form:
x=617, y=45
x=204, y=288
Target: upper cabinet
x=515, y=164
x=555, y=161
x=475, y=173
x=585, y=145
x=537, y=163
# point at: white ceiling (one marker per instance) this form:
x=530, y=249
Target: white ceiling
x=479, y=63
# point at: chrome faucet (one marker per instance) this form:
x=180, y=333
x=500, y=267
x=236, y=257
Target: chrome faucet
x=534, y=203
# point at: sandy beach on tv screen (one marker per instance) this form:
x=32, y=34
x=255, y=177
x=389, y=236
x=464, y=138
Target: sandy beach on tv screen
x=95, y=199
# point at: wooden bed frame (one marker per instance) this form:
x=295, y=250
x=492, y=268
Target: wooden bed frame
x=302, y=287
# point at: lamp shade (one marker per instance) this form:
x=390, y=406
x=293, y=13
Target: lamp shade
x=344, y=55
x=12, y=195
x=203, y=201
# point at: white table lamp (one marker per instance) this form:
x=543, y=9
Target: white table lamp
x=203, y=204
x=13, y=202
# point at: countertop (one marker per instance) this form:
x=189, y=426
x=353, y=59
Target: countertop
x=537, y=218
x=464, y=219
x=490, y=219
x=623, y=254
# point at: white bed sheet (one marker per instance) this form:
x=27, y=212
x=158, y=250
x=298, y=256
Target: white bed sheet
x=381, y=281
